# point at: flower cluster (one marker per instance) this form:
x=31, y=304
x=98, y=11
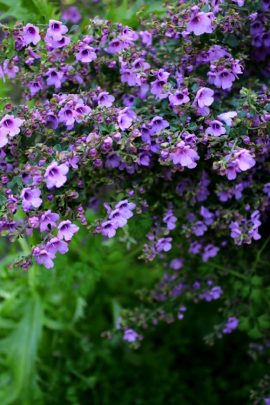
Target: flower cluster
x=168, y=124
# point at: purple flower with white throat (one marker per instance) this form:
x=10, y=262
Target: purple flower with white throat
x=31, y=34
x=125, y=118
x=108, y=229
x=48, y=221
x=105, y=99
x=115, y=46
x=179, y=97
x=56, y=30
x=204, y=97
x=11, y=125
x=55, y=175
x=117, y=218
x=201, y=23
x=158, y=124
x=66, y=230
x=223, y=79
x=67, y=116
x=56, y=245
x=164, y=244
x=184, y=155
x=215, y=129
x=31, y=198
x=86, y=54
x=126, y=208
x=244, y=160
x=54, y=78
x=42, y=256
x=227, y=117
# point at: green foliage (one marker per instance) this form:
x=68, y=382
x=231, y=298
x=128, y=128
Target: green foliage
x=35, y=11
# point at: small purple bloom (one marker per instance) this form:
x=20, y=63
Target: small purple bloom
x=30, y=198
x=48, y=221
x=42, y=256
x=201, y=23
x=158, y=124
x=108, y=229
x=55, y=175
x=71, y=15
x=227, y=117
x=56, y=30
x=117, y=218
x=130, y=335
x=56, y=245
x=86, y=54
x=184, y=155
x=204, y=97
x=31, y=34
x=125, y=208
x=54, y=78
x=105, y=99
x=164, y=244
x=215, y=129
x=231, y=324
x=66, y=230
x=179, y=97
x=11, y=125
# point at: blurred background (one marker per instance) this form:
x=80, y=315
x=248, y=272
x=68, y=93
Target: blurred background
x=52, y=348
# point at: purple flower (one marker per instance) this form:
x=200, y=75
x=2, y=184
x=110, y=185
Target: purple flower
x=176, y=264
x=215, y=129
x=11, y=125
x=201, y=23
x=56, y=245
x=31, y=34
x=42, y=256
x=72, y=15
x=30, y=198
x=158, y=124
x=3, y=138
x=244, y=160
x=56, y=30
x=54, y=78
x=66, y=230
x=209, y=251
x=179, y=97
x=223, y=79
x=125, y=118
x=160, y=89
x=125, y=208
x=55, y=175
x=227, y=117
x=48, y=221
x=115, y=46
x=67, y=116
x=204, y=97
x=108, y=229
x=199, y=228
x=184, y=155
x=170, y=220
x=214, y=294
x=130, y=335
x=105, y=99
x=231, y=324
x=117, y=219
x=86, y=54
x=164, y=244
x=146, y=37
